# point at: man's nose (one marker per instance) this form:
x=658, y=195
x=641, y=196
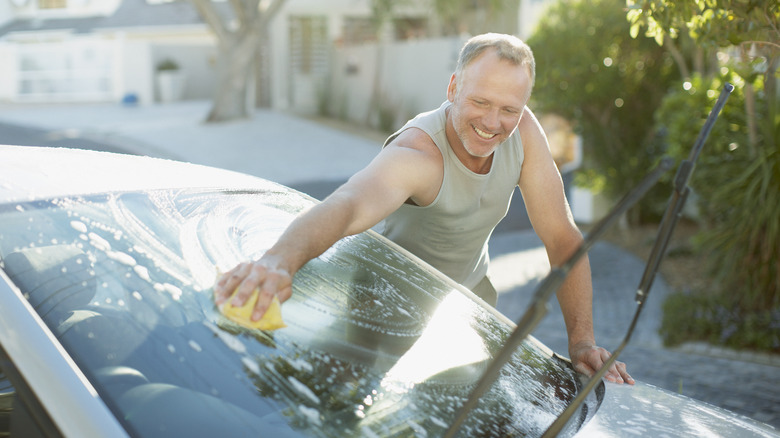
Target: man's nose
x=492, y=120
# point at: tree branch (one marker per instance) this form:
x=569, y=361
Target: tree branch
x=211, y=17
x=271, y=10
x=241, y=10
x=678, y=57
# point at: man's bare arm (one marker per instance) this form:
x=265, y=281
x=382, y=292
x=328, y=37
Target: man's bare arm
x=403, y=170
x=543, y=193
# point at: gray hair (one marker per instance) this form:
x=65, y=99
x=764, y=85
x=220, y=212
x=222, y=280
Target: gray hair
x=507, y=47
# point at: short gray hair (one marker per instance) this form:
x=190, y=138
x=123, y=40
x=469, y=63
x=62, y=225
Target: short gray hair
x=508, y=47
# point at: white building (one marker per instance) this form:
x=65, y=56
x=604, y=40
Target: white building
x=87, y=51
x=108, y=50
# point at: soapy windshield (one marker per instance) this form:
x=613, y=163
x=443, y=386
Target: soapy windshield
x=376, y=343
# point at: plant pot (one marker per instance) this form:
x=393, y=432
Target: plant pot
x=170, y=85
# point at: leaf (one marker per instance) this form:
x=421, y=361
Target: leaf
x=659, y=38
x=634, y=32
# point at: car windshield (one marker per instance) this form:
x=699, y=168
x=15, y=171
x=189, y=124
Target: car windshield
x=376, y=343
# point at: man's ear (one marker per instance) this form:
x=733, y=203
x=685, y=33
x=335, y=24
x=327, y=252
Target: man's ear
x=451, y=88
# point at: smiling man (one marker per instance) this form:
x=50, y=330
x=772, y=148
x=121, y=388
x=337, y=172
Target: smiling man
x=442, y=183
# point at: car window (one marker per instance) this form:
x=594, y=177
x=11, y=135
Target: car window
x=377, y=344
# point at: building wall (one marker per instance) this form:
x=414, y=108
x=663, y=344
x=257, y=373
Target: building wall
x=413, y=77
x=528, y=15
x=134, y=71
x=6, y=12
x=8, y=71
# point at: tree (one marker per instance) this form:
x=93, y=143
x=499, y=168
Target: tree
x=591, y=72
x=750, y=26
x=242, y=33
x=738, y=176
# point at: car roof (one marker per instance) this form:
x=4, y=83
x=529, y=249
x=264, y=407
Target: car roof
x=28, y=173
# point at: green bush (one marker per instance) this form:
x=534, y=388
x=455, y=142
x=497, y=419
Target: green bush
x=167, y=65
x=738, y=183
x=711, y=319
x=591, y=72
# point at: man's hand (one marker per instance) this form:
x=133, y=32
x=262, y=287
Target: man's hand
x=265, y=274
x=587, y=358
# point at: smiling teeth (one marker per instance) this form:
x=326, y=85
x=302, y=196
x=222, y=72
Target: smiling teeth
x=483, y=134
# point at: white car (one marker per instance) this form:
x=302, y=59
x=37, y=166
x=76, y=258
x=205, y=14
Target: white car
x=108, y=328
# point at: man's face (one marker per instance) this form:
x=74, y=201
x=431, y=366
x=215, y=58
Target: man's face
x=488, y=100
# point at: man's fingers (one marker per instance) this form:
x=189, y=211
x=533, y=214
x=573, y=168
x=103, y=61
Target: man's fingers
x=255, y=277
x=229, y=281
x=618, y=374
x=275, y=283
x=591, y=359
x=584, y=369
x=621, y=368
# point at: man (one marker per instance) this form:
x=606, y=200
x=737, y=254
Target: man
x=441, y=184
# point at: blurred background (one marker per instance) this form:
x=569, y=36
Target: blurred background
x=620, y=83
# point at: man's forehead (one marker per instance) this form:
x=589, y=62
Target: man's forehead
x=497, y=76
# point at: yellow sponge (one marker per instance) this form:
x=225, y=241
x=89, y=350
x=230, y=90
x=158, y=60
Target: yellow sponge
x=271, y=320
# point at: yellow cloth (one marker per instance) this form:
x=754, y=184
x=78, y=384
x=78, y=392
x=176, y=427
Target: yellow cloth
x=271, y=320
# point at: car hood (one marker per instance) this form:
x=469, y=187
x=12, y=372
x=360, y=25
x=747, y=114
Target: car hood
x=29, y=172
x=645, y=410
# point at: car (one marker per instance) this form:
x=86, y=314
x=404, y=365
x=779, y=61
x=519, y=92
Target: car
x=108, y=326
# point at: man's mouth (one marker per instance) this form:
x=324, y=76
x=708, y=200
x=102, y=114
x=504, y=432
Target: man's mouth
x=483, y=134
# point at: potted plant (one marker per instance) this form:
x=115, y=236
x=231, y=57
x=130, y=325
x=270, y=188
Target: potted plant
x=170, y=80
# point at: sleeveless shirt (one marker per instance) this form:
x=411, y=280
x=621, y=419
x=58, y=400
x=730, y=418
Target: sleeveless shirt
x=452, y=232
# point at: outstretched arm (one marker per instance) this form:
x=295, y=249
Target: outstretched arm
x=402, y=170
x=542, y=189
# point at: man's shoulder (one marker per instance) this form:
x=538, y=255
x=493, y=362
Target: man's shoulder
x=530, y=130
x=416, y=139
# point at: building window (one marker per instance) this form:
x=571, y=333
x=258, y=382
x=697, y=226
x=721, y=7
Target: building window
x=410, y=28
x=358, y=30
x=75, y=70
x=309, y=45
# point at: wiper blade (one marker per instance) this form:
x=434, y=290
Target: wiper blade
x=538, y=307
x=665, y=230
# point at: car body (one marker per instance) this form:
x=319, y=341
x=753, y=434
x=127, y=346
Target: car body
x=108, y=327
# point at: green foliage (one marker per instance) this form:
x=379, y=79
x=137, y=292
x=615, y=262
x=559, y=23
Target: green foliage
x=739, y=188
x=714, y=320
x=715, y=22
x=738, y=175
x=591, y=72
x=167, y=65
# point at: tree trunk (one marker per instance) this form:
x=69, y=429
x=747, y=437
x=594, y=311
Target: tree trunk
x=235, y=91
x=239, y=36
x=263, y=70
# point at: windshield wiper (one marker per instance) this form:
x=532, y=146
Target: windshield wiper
x=538, y=306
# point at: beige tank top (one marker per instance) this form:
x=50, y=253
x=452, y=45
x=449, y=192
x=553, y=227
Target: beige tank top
x=452, y=233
